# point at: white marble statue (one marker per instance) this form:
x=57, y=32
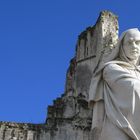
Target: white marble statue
x=114, y=92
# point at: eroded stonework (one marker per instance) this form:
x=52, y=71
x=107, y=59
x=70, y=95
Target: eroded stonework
x=69, y=118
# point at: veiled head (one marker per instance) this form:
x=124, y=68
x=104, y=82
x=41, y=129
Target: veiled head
x=129, y=46
x=126, y=50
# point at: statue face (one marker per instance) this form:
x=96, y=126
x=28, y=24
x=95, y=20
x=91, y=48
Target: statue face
x=131, y=45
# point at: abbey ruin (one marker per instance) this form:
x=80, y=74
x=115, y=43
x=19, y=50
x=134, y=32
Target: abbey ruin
x=69, y=118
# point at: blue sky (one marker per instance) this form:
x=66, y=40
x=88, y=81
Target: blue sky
x=37, y=41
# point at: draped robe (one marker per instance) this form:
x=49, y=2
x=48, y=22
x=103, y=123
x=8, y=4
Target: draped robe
x=115, y=99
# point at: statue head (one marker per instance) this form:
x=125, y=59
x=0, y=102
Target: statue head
x=130, y=45
x=126, y=50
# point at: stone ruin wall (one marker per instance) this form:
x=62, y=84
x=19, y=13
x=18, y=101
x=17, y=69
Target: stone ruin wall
x=91, y=43
x=69, y=118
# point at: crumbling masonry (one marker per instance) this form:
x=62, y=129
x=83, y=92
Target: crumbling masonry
x=69, y=118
